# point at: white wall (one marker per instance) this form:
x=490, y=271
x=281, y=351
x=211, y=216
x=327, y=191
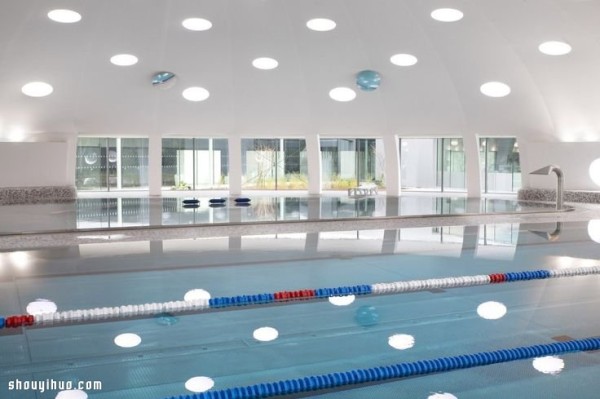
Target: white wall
x=35, y=164
x=573, y=158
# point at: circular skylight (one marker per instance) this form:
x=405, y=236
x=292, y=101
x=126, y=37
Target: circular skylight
x=403, y=59
x=64, y=16
x=441, y=395
x=401, y=341
x=343, y=94
x=199, y=384
x=71, y=394
x=40, y=306
x=124, y=59
x=195, y=294
x=554, y=48
x=549, y=364
x=495, y=89
x=321, y=24
x=37, y=89
x=447, y=15
x=344, y=300
x=265, y=63
x=491, y=310
x=196, y=24
x=195, y=94
x=265, y=334
x=128, y=340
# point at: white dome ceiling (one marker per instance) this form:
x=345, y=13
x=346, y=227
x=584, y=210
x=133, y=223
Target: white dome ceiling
x=551, y=97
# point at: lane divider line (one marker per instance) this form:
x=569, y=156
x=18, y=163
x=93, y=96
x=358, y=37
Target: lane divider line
x=196, y=306
x=394, y=371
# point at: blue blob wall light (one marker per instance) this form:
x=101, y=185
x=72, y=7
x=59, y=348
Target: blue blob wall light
x=164, y=79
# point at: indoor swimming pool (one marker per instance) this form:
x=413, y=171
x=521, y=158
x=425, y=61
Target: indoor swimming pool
x=278, y=312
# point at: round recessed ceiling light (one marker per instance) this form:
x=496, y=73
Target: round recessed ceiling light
x=127, y=340
x=195, y=94
x=64, y=16
x=37, y=89
x=594, y=171
x=441, y=395
x=447, y=15
x=549, y=364
x=40, y=306
x=124, y=59
x=265, y=334
x=403, y=59
x=491, y=310
x=401, y=341
x=594, y=230
x=265, y=63
x=344, y=300
x=343, y=94
x=196, y=294
x=495, y=89
x=321, y=24
x=554, y=48
x=196, y=24
x=71, y=394
x=199, y=384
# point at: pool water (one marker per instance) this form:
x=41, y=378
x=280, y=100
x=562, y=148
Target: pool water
x=107, y=213
x=314, y=337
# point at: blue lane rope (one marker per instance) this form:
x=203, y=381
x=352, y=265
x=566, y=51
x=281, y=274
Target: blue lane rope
x=395, y=371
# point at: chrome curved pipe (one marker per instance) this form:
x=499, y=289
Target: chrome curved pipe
x=546, y=170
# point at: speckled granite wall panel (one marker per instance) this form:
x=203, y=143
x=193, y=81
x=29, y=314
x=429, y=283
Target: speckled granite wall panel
x=546, y=195
x=37, y=195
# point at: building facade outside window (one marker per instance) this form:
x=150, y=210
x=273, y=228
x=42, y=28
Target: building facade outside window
x=195, y=164
x=274, y=164
x=432, y=164
x=111, y=163
x=500, y=165
x=347, y=163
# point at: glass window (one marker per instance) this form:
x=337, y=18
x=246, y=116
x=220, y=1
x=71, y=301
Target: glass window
x=111, y=163
x=347, y=163
x=499, y=165
x=195, y=164
x=432, y=164
x=134, y=163
x=274, y=164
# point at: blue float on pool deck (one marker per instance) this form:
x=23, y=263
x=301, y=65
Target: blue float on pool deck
x=217, y=201
x=191, y=206
x=191, y=201
x=242, y=201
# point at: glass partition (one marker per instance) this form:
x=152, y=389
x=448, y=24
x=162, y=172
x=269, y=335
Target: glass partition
x=195, y=163
x=274, y=164
x=432, y=164
x=347, y=163
x=111, y=163
x=500, y=165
